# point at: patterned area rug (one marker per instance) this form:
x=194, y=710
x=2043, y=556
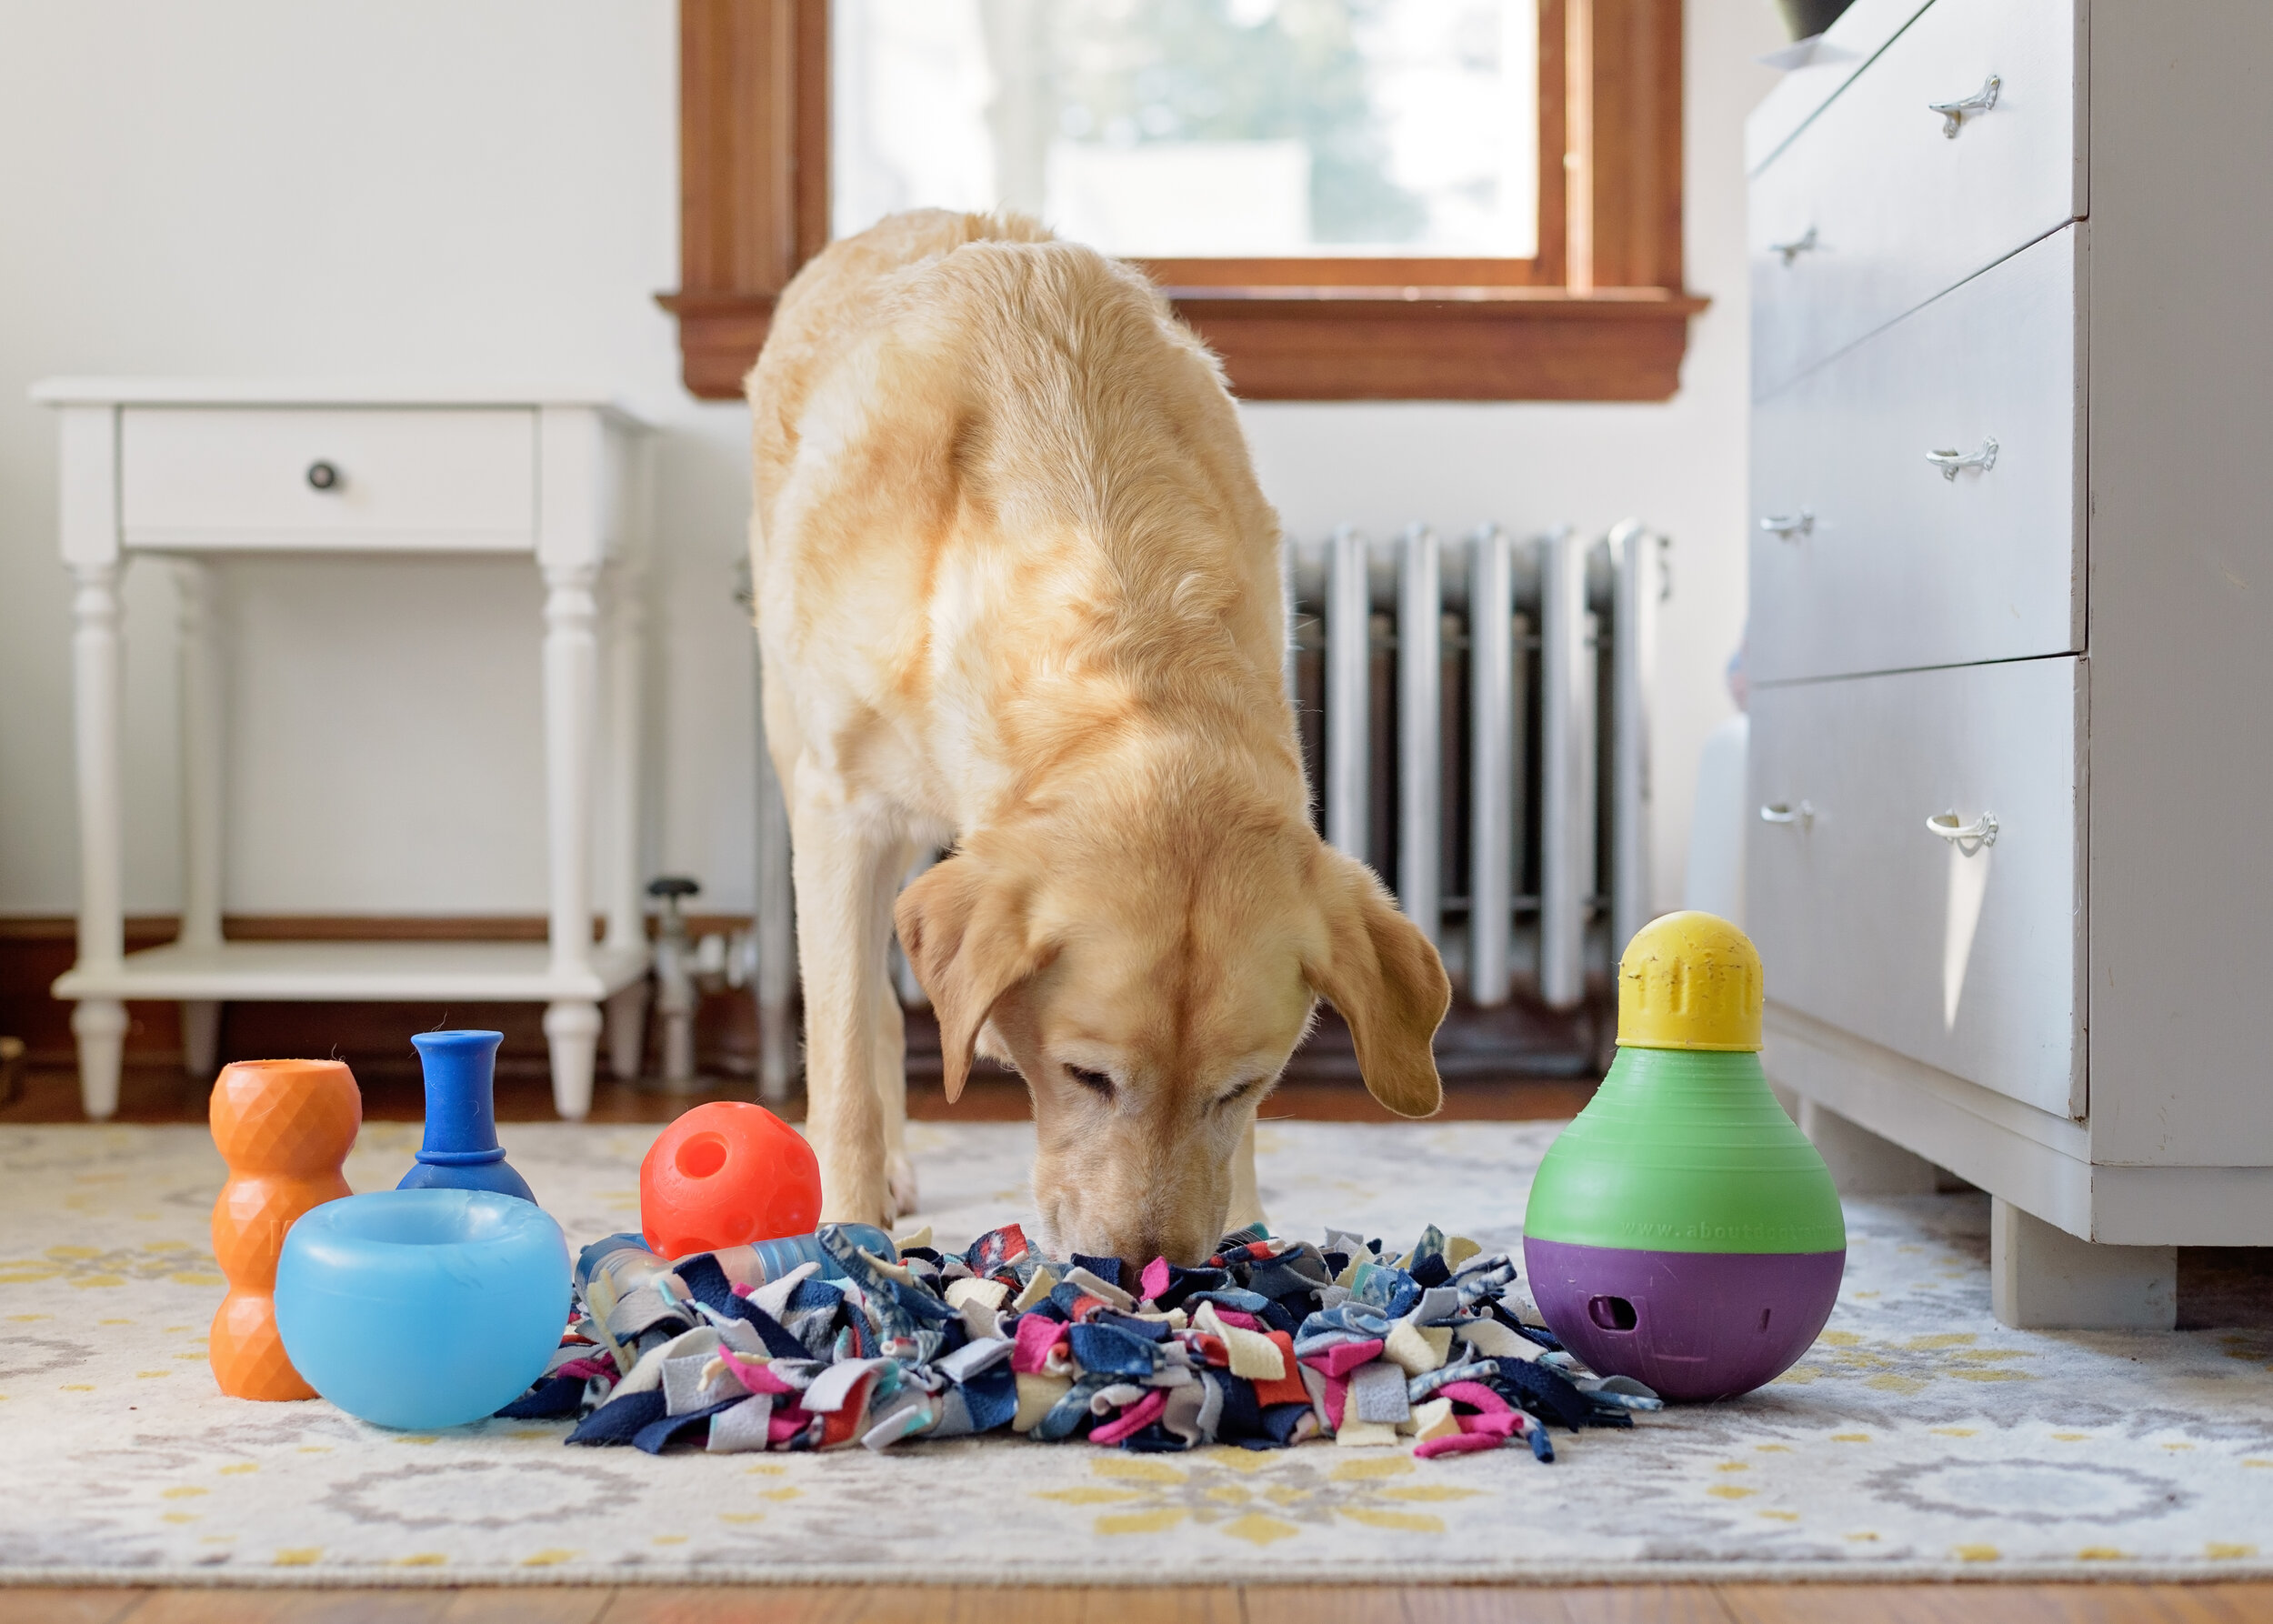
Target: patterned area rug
x=1918, y=1439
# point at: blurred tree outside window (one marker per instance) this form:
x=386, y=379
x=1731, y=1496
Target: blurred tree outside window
x=1197, y=128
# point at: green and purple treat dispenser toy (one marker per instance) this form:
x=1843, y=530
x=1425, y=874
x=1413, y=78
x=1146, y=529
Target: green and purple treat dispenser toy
x=1682, y=1230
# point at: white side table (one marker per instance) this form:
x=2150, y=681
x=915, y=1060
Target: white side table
x=189, y=469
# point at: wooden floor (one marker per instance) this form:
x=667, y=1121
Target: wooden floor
x=1344, y=1604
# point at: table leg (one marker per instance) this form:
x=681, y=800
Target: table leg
x=622, y=897
x=627, y=1022
x=99, y=1024
x=202, y=748
x=571, y=683
x=573, y=1030
x=201, y=1037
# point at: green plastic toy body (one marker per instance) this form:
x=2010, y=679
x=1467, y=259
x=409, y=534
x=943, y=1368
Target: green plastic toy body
x=1685, y=1151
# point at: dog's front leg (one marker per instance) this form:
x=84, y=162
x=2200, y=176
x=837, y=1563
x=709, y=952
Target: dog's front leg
x=847, y=872
x=1247, y=1198
x=891, y=1083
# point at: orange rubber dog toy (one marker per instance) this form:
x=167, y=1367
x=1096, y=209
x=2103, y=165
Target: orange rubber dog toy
x=284, y=1126
x=728, y=1174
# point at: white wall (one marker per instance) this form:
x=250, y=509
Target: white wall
x=488, y=188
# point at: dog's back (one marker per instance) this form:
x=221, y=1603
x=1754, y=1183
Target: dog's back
x=994, y=465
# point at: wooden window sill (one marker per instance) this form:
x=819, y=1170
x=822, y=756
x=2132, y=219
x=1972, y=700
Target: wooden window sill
x=1347, y=342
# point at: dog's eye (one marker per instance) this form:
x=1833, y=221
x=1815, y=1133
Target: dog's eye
x=1239, y=1093
x=1096, y=1082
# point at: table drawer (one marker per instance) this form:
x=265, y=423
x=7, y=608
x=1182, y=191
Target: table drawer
x=1865, y=556
x=250, y=477
x=1964, y=955
x=1870, y=210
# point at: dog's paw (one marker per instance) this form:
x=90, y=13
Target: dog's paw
x=900, y=1180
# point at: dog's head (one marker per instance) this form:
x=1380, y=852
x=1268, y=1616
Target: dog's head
x=1150, y=992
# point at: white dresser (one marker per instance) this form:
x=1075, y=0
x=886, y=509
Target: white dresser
x=2012, y=623
x=184, y=471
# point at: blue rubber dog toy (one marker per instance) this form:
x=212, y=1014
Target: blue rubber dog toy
x=461, y=1150
x=422, y=1307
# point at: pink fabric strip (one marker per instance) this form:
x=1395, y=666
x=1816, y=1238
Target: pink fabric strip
x=1245, y=1322
x=753, y=1374
x=1135, y=1418
x=1155, y=1279
x=1336, y=1401
x=786, y=1421
x=1501, y=1425
x=1036, y=1334
x=1477, y=1394
x=1457, y=1443
x=1337, y=1361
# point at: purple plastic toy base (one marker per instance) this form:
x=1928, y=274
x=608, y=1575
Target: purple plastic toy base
x=1691, y=1325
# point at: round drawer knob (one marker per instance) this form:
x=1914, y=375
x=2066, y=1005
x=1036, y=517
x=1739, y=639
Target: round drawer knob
x=324, y=477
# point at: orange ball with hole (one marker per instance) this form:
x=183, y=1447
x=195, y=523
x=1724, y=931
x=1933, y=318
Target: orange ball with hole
x=728, y=1174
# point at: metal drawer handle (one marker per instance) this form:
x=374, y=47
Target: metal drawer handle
x=324, y=477
x=1804, y=244
x=1785, y=812
x=1954, y=113
x=1968, y=838
x=1784, y=526
x=1953, y=460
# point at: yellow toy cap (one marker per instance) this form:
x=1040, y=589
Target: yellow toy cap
x=1690, y=980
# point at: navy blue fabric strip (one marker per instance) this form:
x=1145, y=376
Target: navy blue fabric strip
x=618, y=1421
x=1109, y=1351
x=548, y=1400
x=658, y=1435
x=1545, y=1393
x=992, y=1398
x=1108, y=1269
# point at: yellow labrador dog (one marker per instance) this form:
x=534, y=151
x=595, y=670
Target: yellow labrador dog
x=1018, y=591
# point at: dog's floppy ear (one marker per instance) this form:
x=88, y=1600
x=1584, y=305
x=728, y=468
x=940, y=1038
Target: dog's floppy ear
x=1380, y=972
x=965, y=929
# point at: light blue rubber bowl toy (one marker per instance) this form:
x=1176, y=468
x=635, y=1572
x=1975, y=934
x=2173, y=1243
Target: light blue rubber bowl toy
x=420, y=1309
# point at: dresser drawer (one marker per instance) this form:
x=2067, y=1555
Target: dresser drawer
x=1966, y=956
x=1838, y=54
x=1870, y=210
x=252, y=477
x=1868, y=556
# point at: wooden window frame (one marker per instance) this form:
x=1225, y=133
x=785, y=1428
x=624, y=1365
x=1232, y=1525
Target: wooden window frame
x=1600, y=313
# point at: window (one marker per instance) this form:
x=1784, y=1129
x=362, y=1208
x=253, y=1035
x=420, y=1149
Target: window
x=1198, y=128
x=1390, y=199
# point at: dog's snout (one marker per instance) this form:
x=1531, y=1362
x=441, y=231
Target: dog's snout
x=1184, y=1250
